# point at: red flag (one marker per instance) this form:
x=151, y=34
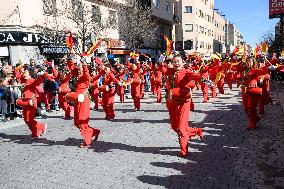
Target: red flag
x=169, y=45
x=69, y=42
x=235, y=51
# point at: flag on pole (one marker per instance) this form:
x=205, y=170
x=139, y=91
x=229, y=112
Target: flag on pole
x=169, y=44
x=69, y=42
x=264, y=47
x=93, y=48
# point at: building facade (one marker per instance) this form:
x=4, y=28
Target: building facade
x=235, y=37
x=201, y=28
x=24, y=28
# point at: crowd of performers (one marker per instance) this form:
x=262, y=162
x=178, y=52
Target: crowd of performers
x=179, y=77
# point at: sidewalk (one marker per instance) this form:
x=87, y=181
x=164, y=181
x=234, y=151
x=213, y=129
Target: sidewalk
x=279, y=89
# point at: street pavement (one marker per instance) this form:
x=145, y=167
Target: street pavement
x=139, y=150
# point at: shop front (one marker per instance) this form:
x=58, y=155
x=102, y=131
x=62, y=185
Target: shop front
x=22, y=46
x=118, y=49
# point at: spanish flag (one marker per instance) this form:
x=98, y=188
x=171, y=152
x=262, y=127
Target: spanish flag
x=69, y=42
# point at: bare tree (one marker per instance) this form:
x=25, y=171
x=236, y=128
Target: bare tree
x=136, y=24
x=273, y=43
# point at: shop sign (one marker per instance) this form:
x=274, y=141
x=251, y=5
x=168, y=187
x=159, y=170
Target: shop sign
x=276, y=8
x=18, y=37
x=55, y=50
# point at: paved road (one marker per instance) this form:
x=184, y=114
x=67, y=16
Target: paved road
x=139, y=150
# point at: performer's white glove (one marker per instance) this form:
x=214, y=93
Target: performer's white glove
x=162, y=58
x=40, y=73
x=272, y=67
x=209, y=83
x=120, y=83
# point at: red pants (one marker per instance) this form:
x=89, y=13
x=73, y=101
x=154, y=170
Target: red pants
x=142, y=89
x=245, y=101
x=220, y=85
x=159, y=93
x=29, y=114
x=213, y=89
x=95, y=97
x=120, y=92
x=252, y=111
x=81, y=120
x=153, y=88
x=230, y=83
x=179, y=116
x=204, y=89
x=64, y=105
x=48, y=98
x=265, y=98
x=135, y=93
x=108, y=102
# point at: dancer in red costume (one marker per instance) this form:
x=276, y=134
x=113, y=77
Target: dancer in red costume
x=252, y=92
x=94, y=92
x=159, y=82
x=179, y=108
x=29, y=112
x=120, y=76
x=134, y=69
x=82, y=109
x=63, y=89
x=108, y=95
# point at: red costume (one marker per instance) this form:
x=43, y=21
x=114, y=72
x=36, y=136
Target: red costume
x=179, y=110
x=108, y=96
x=94, y=92
x=29, y=112
x=252, y=94
x=82, y=109
x=63, y=89
x=135, y=84
x=121, y=89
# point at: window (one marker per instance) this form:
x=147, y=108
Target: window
x=49, y=7
x=188, y=45
x=77, y=9
x=188, y=27
x=96, y=14
x=113, y=18
x=188, y=9
x=168, y=7
x=157, y=3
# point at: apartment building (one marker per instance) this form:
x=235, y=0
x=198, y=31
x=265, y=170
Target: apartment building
x=22, y=28
x=235, y=37
x=220, y=40
x=202, y=28
x=195, y=31
x=163, y=13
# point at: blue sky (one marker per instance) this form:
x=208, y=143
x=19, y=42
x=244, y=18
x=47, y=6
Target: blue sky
x=250, y=16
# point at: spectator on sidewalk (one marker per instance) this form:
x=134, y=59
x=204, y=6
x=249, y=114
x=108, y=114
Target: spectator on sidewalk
x=4, y=95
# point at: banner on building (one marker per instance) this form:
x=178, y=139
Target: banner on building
x=276, y=8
